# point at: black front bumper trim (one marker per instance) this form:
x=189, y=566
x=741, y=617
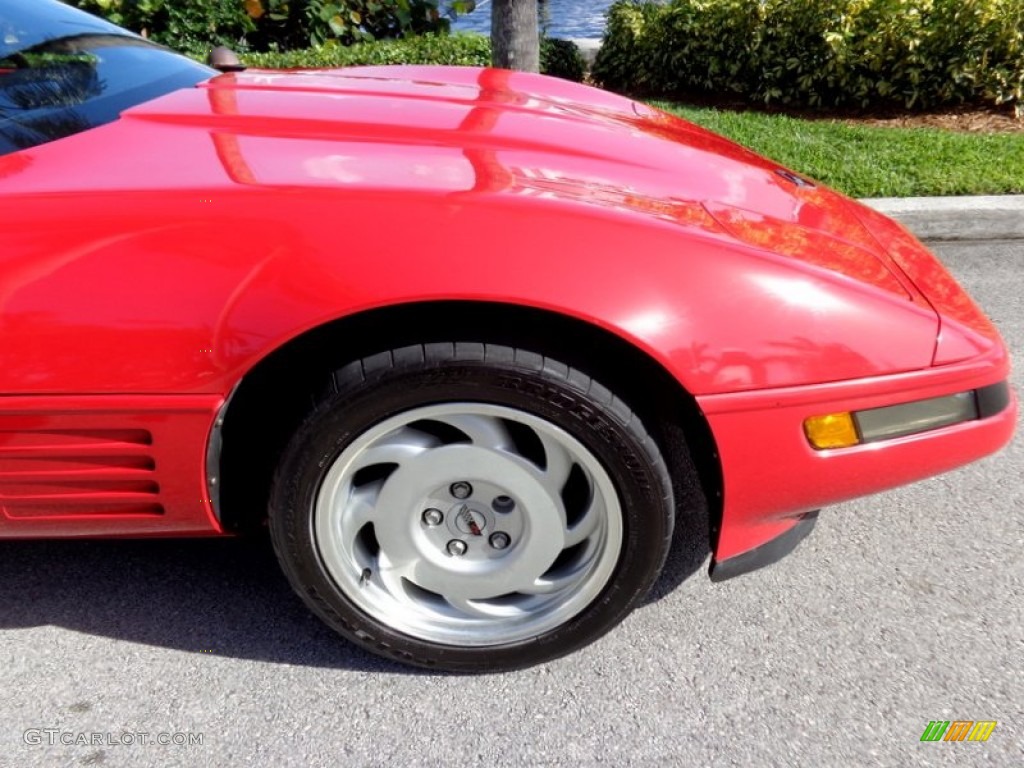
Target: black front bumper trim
x=992, y=399
x=766, y=554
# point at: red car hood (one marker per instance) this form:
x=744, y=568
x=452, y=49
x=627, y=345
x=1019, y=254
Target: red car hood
x=460, y=130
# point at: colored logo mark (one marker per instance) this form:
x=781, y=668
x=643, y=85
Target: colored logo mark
x=958, y=730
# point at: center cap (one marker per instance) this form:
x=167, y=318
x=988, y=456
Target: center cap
x=469, y=521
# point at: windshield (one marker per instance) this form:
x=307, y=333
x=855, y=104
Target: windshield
x=24, y=24
x=63, y=72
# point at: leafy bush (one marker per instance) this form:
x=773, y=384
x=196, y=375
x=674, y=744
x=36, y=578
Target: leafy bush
x=919, y=53
x=198, y=25
x=187, y=26
x=299, y=23
x=621, y=62
x=562, y=58
x=460, y=50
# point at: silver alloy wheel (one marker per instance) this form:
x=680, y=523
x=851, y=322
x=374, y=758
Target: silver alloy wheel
x=468, y=524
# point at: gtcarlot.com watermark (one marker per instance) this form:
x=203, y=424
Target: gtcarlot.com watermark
x=52, y=737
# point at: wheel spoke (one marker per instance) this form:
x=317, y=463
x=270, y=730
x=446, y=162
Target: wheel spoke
x=534, y=564
x=362, y=503
x=586, y=526
x=483, y=431
x=396, y=448
x=547, y=585
x=481, y=609
x=389, y=524
x=558, y=465
x=390, y=575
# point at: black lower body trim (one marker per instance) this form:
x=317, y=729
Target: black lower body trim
x=992, y=399
x=766, y=554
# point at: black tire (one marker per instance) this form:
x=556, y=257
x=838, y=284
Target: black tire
x=513, y=401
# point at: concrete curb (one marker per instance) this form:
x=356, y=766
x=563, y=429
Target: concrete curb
x=943, y=219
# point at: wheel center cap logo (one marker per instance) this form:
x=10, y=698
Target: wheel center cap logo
x=469, y=521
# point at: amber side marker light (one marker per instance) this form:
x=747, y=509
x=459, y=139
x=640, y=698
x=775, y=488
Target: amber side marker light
x=833, y=430
x=846, y=429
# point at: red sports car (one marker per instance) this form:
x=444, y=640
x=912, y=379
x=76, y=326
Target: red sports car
x=470, y=342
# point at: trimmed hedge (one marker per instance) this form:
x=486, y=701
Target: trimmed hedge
x=918, y=53
x=184, y=26
x=197, y=25
x=562, y=58
x=464, y=49
x=275, y=33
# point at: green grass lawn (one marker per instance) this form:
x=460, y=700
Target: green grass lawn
x=868, y=161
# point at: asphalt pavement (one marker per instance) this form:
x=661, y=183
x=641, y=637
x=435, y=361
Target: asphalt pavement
x=900, y=609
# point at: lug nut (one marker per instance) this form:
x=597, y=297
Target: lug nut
x=503, y=504
x=432, y=517
x=461, y=490
x=457, y=547
x=500, y=540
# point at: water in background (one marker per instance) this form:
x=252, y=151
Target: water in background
x=568, y=18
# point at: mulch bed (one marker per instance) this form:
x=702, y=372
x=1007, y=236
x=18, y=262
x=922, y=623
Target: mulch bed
x=966, y=118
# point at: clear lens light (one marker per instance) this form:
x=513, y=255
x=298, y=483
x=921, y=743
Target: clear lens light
x=918, y=416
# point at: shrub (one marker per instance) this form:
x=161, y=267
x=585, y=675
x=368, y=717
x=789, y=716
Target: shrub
x=300, y=23
x=277, y=33
x=469, y=50
x=198, y=25
x=621, y=62
x=919, y=53
x=562, y=58
x=460, y=49
x=192, y=26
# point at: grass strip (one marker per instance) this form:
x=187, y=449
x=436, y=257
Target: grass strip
x=875, y=161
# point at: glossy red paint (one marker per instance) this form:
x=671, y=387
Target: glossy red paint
x=298, y=213
x=772, y=475
x=162, y=256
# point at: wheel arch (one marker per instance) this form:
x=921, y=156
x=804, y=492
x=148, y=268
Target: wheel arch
x=272, y=399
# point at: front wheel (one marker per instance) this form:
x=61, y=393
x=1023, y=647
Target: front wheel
x=471, y=507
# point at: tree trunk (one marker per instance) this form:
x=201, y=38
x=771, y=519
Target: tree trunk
x=515, y=38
